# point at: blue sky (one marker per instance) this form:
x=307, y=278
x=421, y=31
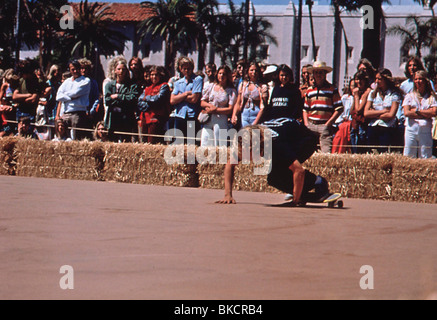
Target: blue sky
x=285, y=2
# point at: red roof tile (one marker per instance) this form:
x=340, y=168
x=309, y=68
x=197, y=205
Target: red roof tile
x=122, y=12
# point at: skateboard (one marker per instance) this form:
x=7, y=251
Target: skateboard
x=333, y=200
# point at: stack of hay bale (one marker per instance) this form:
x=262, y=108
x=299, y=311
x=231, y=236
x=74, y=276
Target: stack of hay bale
x=7, y=159
x=383, y=177
x=415, y=180
x=79, y=160
x=248, y=177
x=145, y=164
x=356, y=176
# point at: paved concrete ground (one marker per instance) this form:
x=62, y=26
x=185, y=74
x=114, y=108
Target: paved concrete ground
x=146, y=242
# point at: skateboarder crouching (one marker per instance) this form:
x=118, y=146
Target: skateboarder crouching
x=292, y=145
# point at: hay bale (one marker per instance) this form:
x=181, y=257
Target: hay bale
x=7, y=156
x=247, y=180
x=386, y=176
x=146, y=164
x=211, y=165
x=415, y=180
x=78, y=160
x=248, y=177
x=356, y=176
x=211, y=176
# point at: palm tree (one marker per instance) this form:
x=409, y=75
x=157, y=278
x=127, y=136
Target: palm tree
x=339, y=6
x=297, y=42
x=415, y=34
x=371, y=48
x=431, y=59
x=372, y=36
x=337, y=42
x=227, y=38
x=258, y=34
x=310, y=4
x=93, y=33
x=205, y=17
x=226, y=35
x=44, y=17
x=38, y=22
x=8, y=11
x=428, y=3
x=173, y=21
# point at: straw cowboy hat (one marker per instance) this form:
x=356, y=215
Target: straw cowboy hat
x=271, y=69
x=319, y=65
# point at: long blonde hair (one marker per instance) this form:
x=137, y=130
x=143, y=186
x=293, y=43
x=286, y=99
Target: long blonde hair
x=428, y=90
x=113, y=64
x=52, y=70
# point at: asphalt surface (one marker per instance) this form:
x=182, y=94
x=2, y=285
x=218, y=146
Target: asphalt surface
x=125, y=241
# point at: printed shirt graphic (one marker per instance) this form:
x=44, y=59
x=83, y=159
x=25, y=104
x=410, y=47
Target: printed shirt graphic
x=286, y=102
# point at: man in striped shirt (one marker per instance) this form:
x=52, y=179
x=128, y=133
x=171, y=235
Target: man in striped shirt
x=322, y=106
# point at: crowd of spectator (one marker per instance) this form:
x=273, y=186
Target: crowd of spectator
x=136, y=103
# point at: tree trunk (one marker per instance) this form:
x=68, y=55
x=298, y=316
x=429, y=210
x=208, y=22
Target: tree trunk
x=313, y=38
x=372, y=36
x=170, y=55
x=41, y=51
x=297, y=43
x=337, y=46
x=246, y=29
x=17, y=36
x=201, y=56
x=222, y=58
x=172, y=58
x=211, y=50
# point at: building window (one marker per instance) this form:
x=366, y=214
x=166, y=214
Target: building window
x=304, y=52
x=263, y=51
x=316, y=53
x=404, y=55
x=350, y=51
x=146, y=50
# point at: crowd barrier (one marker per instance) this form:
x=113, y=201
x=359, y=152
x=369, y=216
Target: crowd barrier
x=383, y=177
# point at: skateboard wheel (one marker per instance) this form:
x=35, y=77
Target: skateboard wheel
x=340, y=204
x=331, y=204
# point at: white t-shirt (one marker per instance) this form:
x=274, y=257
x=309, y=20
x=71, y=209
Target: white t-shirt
x=348, y=102
x=415, y=102
x=74, y=94
x=220, y=98
x=380, y=103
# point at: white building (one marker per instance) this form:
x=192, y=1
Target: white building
x=282, y=18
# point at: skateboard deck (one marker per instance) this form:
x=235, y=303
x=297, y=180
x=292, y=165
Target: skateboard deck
x=333, y=200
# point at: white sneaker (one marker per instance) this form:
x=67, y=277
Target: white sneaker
x=288, y=197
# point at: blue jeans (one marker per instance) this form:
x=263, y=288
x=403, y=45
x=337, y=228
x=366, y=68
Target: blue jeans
x=21, y=114
x=187, y=127
x=248, y=116
x=358, y=139
x=381, y=138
